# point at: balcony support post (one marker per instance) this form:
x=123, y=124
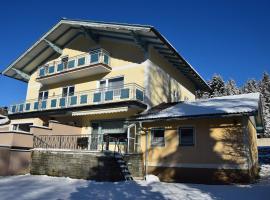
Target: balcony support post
x=54, y=46
x=22, y=74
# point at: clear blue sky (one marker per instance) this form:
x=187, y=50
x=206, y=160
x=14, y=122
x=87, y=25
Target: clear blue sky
x=229, y=37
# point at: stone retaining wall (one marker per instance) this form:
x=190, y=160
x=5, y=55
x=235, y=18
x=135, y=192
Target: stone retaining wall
x=83, y=165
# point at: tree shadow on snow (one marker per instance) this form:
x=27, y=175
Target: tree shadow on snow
x=115, y=191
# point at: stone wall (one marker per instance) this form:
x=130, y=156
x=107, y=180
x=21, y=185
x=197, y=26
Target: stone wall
x=83, y=165
x=135, y=164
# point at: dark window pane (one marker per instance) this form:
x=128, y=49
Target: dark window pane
x=36, y=105
x=108, y=95
x=13, y=109
x=186, y=136
x=51, y=69
x=125, y=93
x=71, y=63
x=157, y=137
x=45, y=95
x=94, y=58
x=62, y=102
x=42, y=71
x=43, y=104
x=97, y=97
x=64, y=92
x=53, y=103
x=71, y=91
x=116, y=82
x=20, y=107
x=139, y=95
x=83, y=99
x=73, y=100
x=60, y=67
x=102, y=84
x=106, y=59
x=81, y=61
x=27, y=106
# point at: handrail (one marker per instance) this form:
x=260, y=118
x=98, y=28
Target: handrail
x=92, y=142
x=130, y=91
x=102, y=57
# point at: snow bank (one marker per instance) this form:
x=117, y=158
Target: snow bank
x=151, y=178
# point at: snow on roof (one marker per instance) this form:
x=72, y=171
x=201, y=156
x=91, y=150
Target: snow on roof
x=235, y=104
x=3, y=119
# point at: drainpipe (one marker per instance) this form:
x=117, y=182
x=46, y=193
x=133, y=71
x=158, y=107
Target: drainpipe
x=146, y=149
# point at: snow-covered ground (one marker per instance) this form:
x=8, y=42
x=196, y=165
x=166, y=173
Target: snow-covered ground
x=28, y=187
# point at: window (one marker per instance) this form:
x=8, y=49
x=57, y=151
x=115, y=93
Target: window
x=27, y=106
x=102, y=84
x=139, y=95
x=43, y=95
x=42, y=71
x=81, y=61
x=186, y=136
x=157, y=137
x=116, y=82
x=51, y=69
x=60, y=67
x=71, y=64
x=83, y=99
x=106, y=59
x=94, y=58
x=68, y=91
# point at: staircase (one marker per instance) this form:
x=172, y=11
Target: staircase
x=123, y=166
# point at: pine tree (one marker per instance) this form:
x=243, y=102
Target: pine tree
x=218, y=86
x=231, y=88
x=250, y=86
x=265, y=91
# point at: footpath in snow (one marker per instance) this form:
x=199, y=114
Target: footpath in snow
x=28, y=187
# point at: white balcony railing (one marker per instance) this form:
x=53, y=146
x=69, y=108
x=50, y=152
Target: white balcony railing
x=90, y=97
x=99, y=56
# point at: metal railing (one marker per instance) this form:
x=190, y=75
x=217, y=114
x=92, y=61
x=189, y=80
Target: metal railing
x=89, y=97
x=84, y=142
x=85, y=59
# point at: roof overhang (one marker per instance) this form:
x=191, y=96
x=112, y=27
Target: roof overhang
x=64, y=32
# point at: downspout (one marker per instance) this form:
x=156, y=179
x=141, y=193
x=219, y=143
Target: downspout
x=146, y=150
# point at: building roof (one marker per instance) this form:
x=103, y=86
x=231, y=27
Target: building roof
x=3, y=120
x=225, y=105
x=65, y=31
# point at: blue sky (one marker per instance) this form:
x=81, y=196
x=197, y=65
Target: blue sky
x=227, y=37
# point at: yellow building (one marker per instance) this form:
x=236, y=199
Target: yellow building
x=89, y=79
x=95, y=75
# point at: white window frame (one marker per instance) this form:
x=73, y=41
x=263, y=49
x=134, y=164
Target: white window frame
x=107, y=81
x=151, y=135
x=68, y=89
x=179, y=135
x=43, y=91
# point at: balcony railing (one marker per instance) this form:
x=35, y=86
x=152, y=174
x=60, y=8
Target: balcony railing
x=99, y=56
x=90, y=97
x=88, y=142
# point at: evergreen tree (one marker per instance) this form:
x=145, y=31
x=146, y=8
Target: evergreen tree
x=231, y=88
x=265, y=92
x=218, y=86
x=250, y=86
